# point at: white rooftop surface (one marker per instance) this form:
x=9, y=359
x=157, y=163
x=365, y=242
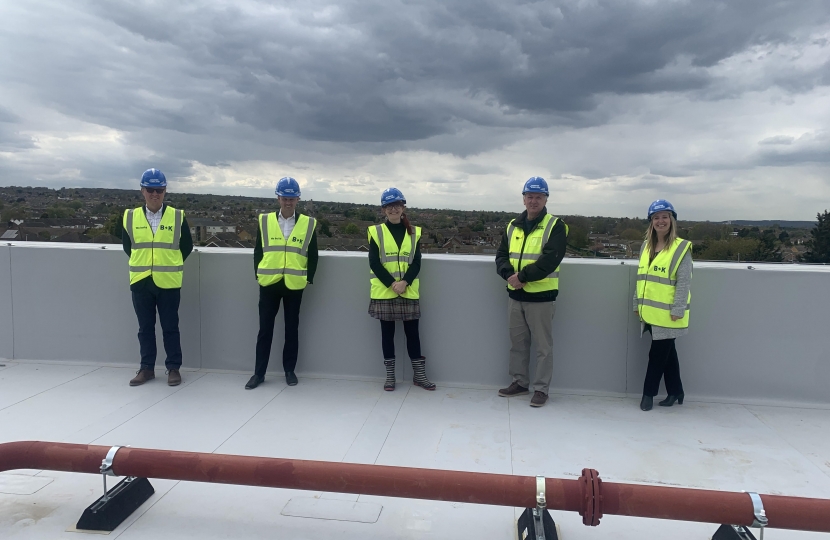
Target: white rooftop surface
x=703, y=445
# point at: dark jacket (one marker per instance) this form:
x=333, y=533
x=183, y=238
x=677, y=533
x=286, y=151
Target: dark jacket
x=185, y=243
x=313, y=255
x=398, y=233
x=552, y=254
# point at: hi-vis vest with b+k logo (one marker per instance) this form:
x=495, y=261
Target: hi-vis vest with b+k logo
x=396, y=260
x=158, y=254
x=284, y=258
x=524, y=251
x=656, y=285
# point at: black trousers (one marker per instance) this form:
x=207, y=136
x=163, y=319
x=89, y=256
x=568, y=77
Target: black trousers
x=269, y=306
x=387, y=338
x=663, y=362
x=147, y=299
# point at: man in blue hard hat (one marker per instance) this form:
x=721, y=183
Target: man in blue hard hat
x=157, y=239
x=285, y=260
x=528, y=258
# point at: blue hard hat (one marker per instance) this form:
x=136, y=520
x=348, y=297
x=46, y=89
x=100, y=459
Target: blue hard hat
x=153, y=178
x=661, y=205
x=391, y=195
x=535, y=184
x=287, y=187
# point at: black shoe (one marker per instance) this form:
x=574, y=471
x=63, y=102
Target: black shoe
x=254, y=381
x=646, y=403
x=669, y=401
x=290, y=378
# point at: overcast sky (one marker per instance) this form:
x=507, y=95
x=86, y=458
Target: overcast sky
x=721, y=107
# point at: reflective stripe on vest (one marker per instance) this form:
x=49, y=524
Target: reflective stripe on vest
x=155, y=254
x=657, y=284
x=522, y=254
x=395, y=260
x=284, y=258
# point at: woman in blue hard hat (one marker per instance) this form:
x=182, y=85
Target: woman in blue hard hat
x=394, y=261
x=662, y=298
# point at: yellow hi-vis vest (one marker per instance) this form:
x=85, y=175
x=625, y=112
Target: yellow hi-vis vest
x=395, y=260
x=524, y=251
x=158, y=254
x=284, y=258
x=656, y=284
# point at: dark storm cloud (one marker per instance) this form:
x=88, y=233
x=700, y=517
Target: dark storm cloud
x=388, y=71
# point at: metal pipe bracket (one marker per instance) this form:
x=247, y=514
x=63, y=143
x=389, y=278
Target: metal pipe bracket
x=758, y=510
x=106, y=463
x=541, y=501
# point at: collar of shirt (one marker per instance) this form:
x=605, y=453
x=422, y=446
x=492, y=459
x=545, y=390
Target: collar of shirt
x=154, y=218
x=286, y=224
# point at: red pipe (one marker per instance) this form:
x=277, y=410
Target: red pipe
x=589, y=496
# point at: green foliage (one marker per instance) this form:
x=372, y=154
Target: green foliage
x=365, y=214
x=14, y=212
x=113, y=224
x=632, y=234
x=60, y=212
x=45, y=235
x=732, y=249
x=577, y=236
x=767, y=250
x=818, y=246
x=708, y=231
x=763, y=248
x=325, y=227
x=351, y=228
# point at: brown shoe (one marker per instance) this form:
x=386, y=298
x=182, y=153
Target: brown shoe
x=174, y=378
x=513, y=390
x=539, y=398
x=142, y=376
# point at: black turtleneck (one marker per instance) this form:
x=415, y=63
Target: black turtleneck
x=398, y=233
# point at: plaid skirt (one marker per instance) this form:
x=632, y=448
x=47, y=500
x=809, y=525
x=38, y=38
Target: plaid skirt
x=395, y=309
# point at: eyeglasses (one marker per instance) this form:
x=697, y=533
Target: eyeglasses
x=395, y=205
x=155, y=190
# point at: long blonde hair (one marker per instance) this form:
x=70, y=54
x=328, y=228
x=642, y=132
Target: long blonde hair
x=651, y=237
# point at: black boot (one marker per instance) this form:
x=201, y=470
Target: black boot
x=646, y=403
x=419, y=375
x=389, y=385
x=669, y=401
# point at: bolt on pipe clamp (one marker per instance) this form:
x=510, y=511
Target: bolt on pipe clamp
x=106, y=463
x=758, y=510
x=541, y=501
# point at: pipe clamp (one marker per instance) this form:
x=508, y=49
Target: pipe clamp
x=758, y=510
x=106, y=463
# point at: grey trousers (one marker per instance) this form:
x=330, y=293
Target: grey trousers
x=526, y=321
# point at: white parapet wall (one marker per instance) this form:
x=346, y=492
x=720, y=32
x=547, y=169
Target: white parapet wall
x=759, y=334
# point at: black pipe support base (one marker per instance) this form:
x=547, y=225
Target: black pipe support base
x=121, y=501
x=733, y=532
x=527, y=526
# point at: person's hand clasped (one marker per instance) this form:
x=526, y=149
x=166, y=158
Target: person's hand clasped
x=399, y=286
x=514, y=281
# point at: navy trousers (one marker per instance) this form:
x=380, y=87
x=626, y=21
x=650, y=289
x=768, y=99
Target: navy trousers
x=147, y=299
